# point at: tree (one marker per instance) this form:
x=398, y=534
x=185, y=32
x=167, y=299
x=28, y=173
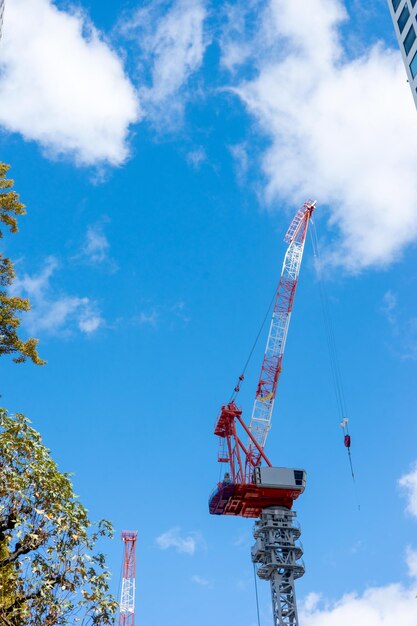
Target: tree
x=50, y=572
x=11, y=306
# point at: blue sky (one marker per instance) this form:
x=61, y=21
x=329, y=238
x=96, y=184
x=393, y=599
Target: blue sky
x=161, y=150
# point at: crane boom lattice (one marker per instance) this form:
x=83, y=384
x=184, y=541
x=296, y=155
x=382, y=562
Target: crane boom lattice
x=263, y=407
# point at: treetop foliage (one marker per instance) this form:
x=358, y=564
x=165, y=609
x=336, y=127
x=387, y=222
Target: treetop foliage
x=12, y=306
x=10, y=206
x=49, y=570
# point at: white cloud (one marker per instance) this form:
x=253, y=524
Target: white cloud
x=311, y=601
x=198, y=580
x=240, y=155
x=179, y=311
x=196, y=157
x=172, y=539
x=341, y=130
x=408, y=483
x=96, y=245
x=95, y=249
x=389, y=307
x=411, y=559
x=171, y=41
x=171, y=315
x=403, y=327
x=236, y=46
x=62, y=85
x=89, y=322
x=149, y=318
x=378, y=606
x=55, y=312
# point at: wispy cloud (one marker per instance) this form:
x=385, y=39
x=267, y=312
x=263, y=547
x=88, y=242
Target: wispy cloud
x=148, y=318
x=52, y=311
x=339, y=129
x=179, y=311
x=403, y=326
x=389, y=307
x=172, y=538
x=240, y=154
x=196, y=157
x=96, y=246
x=408, y=484
x=411, y=560
x=171, y=315
x=95, y=249
x=170, y=40
x=58, y=80
x=198, y=580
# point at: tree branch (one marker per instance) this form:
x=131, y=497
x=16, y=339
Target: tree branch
x=28, y=545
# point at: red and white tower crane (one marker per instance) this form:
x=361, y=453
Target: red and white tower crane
x=265, y=492
x=127, y=599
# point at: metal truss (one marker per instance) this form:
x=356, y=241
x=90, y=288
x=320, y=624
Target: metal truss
x=127, y=600
x=260, y=422
x=278, y=558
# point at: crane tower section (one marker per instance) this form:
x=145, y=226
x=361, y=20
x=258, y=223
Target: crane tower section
x=277, y=554
x=127, y=600
x=260, y=422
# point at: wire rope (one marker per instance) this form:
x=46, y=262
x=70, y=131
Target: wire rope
x=256, y=595
x=329, y=329
x=242, y=375
x=336, y=372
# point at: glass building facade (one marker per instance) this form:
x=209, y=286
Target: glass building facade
x=404, y=17
x=1, y=15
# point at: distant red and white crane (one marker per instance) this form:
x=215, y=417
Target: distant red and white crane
x=127, y=600
x=267, y=492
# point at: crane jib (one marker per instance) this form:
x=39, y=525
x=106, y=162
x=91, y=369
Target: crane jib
x=260, y=422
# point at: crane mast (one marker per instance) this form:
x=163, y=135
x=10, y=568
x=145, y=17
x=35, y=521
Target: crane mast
x=127, y=599
x=265, y=492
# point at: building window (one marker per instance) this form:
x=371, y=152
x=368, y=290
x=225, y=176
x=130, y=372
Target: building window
x=413, y=66
x=409, y=40
x=413, y=3
x=403, y=19
x=396, y=4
